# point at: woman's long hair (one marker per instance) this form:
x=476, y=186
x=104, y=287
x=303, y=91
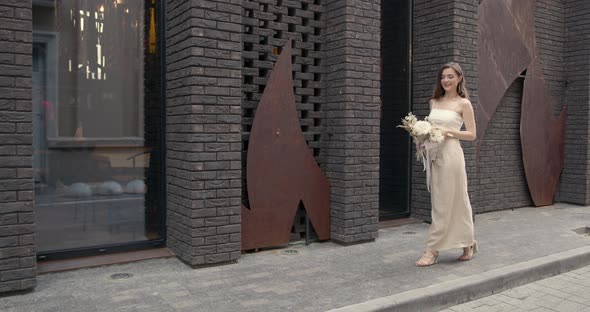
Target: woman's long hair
x=439, y=91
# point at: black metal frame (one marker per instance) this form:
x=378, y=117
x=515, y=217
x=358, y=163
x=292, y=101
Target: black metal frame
x=140, y=245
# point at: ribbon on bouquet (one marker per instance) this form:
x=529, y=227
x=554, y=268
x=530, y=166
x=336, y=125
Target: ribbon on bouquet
x=427, y=154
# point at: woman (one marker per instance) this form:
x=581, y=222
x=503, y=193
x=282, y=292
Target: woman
x=452, y=221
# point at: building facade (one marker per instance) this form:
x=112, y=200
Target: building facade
x=125, y=124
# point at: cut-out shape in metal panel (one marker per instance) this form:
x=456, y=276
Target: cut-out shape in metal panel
x=502, y=56
x=507, y=46
x=281, y=170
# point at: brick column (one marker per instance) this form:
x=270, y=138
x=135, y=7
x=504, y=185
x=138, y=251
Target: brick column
x=204, y=44
x=17, y=220
x=575, y=179
x=444, y=31
x=352, y=111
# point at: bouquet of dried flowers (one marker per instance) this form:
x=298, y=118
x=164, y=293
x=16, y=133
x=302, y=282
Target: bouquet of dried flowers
x=422, y=132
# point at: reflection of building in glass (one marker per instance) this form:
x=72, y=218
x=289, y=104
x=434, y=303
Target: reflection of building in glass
x=99, y=114
x=97, y=40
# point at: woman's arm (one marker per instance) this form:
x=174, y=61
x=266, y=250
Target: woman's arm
x=469, y=119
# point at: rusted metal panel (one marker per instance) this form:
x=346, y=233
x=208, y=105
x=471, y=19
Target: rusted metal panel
x=542, y=138
x=502, y=56
x=281, y=170
x=507, y=46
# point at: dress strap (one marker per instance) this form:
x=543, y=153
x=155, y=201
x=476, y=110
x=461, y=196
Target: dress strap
x=455, y=108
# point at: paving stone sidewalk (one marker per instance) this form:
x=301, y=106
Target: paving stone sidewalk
x=319, y=277
x=568, y=292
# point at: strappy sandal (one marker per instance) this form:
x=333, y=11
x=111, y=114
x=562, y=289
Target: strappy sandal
x=428, y=258
x=468, y=252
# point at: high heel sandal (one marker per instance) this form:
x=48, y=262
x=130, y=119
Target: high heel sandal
x=431, y=258
x=468, y=252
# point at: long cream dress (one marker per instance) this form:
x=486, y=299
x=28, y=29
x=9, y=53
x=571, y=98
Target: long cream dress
x=452, y=221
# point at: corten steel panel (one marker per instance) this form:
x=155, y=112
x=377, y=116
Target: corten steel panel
x=281, y=170
x=507, y=47
x=502, y=56
x=542, y=137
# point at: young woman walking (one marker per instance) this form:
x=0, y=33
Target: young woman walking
x=452, y=220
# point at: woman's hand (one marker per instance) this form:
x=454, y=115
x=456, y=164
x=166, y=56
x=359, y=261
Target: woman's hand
x=448, y=133
x=445, y=132
x=420, y=147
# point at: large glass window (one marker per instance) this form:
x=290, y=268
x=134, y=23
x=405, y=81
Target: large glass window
x=97, y=123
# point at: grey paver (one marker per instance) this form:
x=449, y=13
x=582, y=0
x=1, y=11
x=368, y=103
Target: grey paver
x=539, y=296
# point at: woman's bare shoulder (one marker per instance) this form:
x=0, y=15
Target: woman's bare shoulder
x=431, y=102
x=465, y=103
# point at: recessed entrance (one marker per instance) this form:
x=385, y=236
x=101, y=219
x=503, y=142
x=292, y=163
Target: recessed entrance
x=396, y=78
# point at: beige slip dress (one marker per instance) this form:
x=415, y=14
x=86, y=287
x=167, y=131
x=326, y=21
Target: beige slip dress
x=452, y=221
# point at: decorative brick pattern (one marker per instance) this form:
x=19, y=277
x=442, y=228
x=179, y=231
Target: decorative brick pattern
x=204, y=80
x=268, y=24
x=444, y=31
x=17, y=219
x=352, y=111
x=575, y=179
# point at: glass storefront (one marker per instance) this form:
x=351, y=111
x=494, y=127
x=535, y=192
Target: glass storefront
x=98, y=123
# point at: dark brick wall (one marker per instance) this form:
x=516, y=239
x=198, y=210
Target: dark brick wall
x=204, y=77
x=17, y=220
x=502, y=184
x=465, y=52
x=444, y=31
x=352, y=112
x=432, y=47
x=575, y=179
x=550, y=34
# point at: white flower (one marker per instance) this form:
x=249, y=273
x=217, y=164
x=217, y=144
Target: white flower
x=421, y=128
x=411, y=119
x=436, y=136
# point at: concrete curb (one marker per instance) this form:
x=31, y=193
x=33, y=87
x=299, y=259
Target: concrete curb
x=443, y=295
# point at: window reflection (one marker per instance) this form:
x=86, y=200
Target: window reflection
x=97, y=122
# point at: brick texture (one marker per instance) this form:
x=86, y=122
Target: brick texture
x=17, y=227
x=444, y=31
x=502, y=184
x=352, y=111
x=204, y=78
x=575, y=179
